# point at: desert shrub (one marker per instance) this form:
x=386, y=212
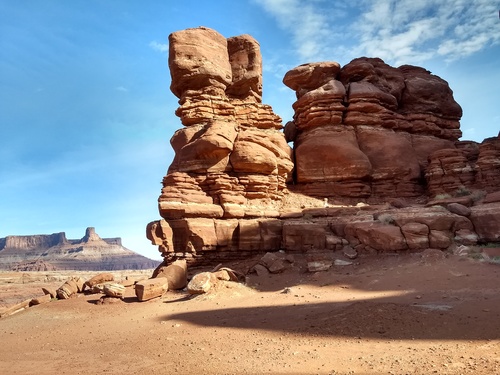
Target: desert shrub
x=442, y=196
x=462, y=191
x=386, y=219
x=478, y=195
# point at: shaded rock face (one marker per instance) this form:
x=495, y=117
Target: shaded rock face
x=467, y=168
x=231, y=160
x=373, y=125
x=364, y=133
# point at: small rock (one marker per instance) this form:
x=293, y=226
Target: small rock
x=260, y=270
x=462, y=250
x=222, y=275
x=40, y=300
x=99, y=279
x=340, y=262
x=233, y=275
x=398, y=203
x=114, y=290
x=98, y=288
x=349, y=252
x=276, y=262
x=458, y=209
x=319, y=265
x=50, y=291
x=201, y=283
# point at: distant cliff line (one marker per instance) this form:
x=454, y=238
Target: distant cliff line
x=45, y=241
x=55, y=251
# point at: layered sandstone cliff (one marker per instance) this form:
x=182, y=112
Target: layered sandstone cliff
x=371, y=145
x=231, y=160
x=55, y=251
x=372, y=126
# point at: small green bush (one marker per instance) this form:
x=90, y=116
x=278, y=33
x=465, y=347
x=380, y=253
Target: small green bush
x=462, y=191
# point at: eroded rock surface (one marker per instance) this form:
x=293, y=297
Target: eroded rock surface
x=376, y=166
x=231, y=160
x=365, y=122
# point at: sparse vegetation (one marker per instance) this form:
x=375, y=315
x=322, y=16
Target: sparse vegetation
x=386, y=219
x=442, y=196
x=477, y=195
x=462, y=191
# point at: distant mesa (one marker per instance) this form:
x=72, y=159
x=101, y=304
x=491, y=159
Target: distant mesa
x=46, y=252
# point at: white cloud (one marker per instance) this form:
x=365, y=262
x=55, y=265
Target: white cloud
x=308, y=26
x=398, y=31
x=159, y=46
x=121, y=88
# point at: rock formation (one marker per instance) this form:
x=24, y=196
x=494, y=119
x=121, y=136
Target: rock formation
x=371, y=145
x=372, y=125
x=55, y=251
x=231, y=160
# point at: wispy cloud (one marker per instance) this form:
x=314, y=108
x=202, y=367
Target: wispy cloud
x=159, y=46
x=121, y=88
x=309, y=27
x=398, y=31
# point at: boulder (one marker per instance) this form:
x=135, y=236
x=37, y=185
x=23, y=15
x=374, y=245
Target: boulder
x=459, y=209
x=69, y=288
x=276, y=262
x=151, y=288
x=98, y=279
x=486, y=221
x=41, y=300
x=201, y=283
x=114, y=290
x=381, y=237
x=439, y=239
x=175, y=273
x=416, y=235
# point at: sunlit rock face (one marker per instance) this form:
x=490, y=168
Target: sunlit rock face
x=231, y=160
x=373, y=125
x=374, y=148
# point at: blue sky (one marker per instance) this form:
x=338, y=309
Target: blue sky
x=86, y=113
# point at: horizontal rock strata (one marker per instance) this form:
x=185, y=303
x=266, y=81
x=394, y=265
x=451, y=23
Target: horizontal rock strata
x=375, y=149
x=55, y=251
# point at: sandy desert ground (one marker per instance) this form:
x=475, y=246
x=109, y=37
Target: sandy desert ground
x=383, y=315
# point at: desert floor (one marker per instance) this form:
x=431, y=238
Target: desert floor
x=383, y=315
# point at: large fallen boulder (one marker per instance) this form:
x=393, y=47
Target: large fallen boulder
x=151, y=288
